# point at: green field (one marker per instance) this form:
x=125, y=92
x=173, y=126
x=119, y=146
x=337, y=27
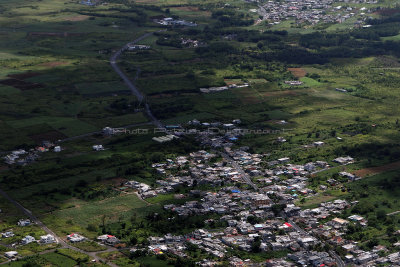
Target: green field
x=56, y=82
x=81, y=214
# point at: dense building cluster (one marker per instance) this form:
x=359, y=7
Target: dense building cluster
x=312, y=11
x=262, y=216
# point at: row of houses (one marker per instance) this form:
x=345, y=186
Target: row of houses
x=222, y=88
x=23, y=157
x=45, y=239
x=175, y=22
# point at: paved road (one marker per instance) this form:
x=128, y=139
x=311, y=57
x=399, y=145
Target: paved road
x=339, y=261
x=245, y=176
x=295, y=226
x=60, y=241
x=262, y=11
x=393, y=213
x=135, y=91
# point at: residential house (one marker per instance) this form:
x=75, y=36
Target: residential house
x=24, y=222
x=75, y=238
x=11, y=254
x=27, y=239
x=47, y=239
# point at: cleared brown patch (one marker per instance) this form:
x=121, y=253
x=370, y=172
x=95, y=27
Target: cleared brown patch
x=195, y=60
x=3, y=167
x=376, y=170
x=247, y=96
x=146, y=1
x=50, y=136
x=77, y=18
x=53, y=64
x=387, y=12
x=23, y=76
x=54, y=34
x=21, y=84
x=230, y=82
x=280, y=93
x=161, y=95
x=187, y=8
x=194, y=10
x=298, y=72
x=115, y=181
x=157, y=17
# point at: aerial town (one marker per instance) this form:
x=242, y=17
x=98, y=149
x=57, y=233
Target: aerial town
x=255, y=197
x=313, y=12
x=212, y=133
x=264, y=216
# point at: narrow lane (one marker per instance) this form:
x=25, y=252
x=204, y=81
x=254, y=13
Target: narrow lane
x=135, y=91
x=244, y=175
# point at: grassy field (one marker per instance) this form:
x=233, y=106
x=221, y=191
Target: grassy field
x=56, y=81
x=61, y=258
x=80, y=214
x=64, y=47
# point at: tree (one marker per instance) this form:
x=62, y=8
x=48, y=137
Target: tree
x=133, y=240
x=255, y=247
x=157, y=157
x=253, y=219
x=390, y=230
x=191, y=247
x=372, y=243
x=190, y=74
x=278, y=208
x=31, y=264
x=380, y=214
x=91, y=227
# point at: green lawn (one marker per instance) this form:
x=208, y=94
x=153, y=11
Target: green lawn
x=68, y=126
x=84, y=213
x=59, y=260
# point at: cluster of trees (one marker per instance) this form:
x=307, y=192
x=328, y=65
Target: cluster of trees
x=168, y=110
x=174, y=42
x=123, y=105
x=322, y=39
x=168, y=222
x=291, y=55
x=356, y=43
x=229, y=18
x=216, y=48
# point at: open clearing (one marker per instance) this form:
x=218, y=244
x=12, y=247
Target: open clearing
x=77, y=18
x=298, y=72
x=83, y=213
x=376, y=170
x=53, y=64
